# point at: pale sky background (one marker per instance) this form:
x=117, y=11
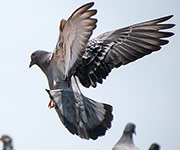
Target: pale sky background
x=146, y=92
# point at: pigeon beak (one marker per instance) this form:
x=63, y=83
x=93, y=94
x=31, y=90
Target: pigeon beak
x=31, y=63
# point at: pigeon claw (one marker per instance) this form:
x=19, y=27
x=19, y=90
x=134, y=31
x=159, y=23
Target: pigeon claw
x=51, y=104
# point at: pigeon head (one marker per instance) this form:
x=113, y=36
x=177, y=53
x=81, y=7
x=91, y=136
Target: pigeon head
x=127, y=136
x=39, y=58
x=7, y=141
x=154, y=146
x=130, y=129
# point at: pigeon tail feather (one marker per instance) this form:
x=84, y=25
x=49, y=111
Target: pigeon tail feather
x=84, y=117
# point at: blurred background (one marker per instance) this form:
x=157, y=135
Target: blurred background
x=145, y=92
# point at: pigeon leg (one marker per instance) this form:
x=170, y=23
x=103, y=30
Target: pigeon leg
x=51, y=104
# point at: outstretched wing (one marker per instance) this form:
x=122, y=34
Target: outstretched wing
x=120, y=47
x=73, y=37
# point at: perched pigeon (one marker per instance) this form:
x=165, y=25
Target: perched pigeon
x=154, y=146
x=126, y=141
x=7, y=142
x=91, y=61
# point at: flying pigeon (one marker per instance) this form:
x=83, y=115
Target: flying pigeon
x=126, y=141
x=154, y=146
x=7, y=142
x=76, y=56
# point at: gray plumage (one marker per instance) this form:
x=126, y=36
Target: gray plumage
x=80, y=115
x=154, y=146
x=7, y=142
x=120, y=47
x=126, y=141
x=91, y=61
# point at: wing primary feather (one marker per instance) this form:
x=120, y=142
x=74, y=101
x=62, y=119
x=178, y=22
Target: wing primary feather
x=155, y=27
x=82, y=9
x=154, y=21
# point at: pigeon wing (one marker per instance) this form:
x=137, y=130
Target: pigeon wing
x=74, y=35
x=120, y=47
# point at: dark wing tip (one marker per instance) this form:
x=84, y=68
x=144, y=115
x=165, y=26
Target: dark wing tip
x=108, y=115
x=154, y=21
x=169, y=16
x=90, y=4
x=101, y=129
x=167, y=34
x=83, y=8
x=171, y=25
x=171, y=33
x=165, y=18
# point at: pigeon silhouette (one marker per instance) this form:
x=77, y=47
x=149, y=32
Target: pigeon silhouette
x=126, y=141
x=90, y=61
x=7, y=142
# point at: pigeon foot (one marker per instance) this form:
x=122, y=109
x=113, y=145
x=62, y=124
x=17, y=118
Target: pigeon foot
x=51, y=104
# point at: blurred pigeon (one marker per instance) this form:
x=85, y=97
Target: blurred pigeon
x=7, y=142
x=91, y=61
x=126, y=141
x=154, y=146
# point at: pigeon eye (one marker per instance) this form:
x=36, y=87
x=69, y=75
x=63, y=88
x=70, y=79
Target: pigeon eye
x=32, y=56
